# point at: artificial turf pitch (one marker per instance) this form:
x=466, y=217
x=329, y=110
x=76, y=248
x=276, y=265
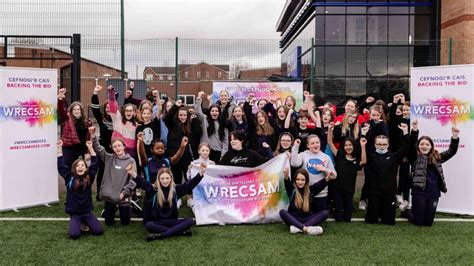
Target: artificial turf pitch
x=46, y=242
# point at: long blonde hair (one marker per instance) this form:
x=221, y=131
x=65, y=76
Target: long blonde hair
x=302, y=201
x=346, y=127
x=160, y=196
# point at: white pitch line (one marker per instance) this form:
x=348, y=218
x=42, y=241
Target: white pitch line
x=64, y=219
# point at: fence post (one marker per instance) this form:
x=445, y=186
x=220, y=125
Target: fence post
x=450, y=51
x=122, y=38
x=76, y=68
x=311, y=76
x=176, y=70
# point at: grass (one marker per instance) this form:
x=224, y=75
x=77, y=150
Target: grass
x=46, y=242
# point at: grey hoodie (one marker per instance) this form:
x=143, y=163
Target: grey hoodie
x=116, y=178
x=214, y=142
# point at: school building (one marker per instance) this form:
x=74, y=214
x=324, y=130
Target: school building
x=367, y=47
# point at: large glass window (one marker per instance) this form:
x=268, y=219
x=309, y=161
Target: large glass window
x=335, y=30
x=376, y=61
x=356, y=29
x=356, y=87
x=398, y=30
x=356, y=61
x=377, y=30
x=335, y=61
x=398, y=61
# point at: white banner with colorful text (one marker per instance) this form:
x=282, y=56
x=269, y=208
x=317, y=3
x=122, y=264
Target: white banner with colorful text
x=28, y=135
x=236, y=195
x=442, y=97
x=238, y=91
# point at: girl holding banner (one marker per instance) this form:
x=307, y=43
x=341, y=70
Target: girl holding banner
x=427, y=175
x=240, y=156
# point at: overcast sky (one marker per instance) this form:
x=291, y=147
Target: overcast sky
x=150, y=28
x=203, y=19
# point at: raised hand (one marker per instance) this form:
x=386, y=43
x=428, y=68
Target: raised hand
x=97, y=89
x=184, y=141
x=286, y=173
x=59, y=144
x=265, y=145
x=202, y=168
x=110, y=87
x=128, y=93
x=365, y=129
x=130, y=169
x=331, y=126
x=92, y=131
x=370, y=99
x=297, y=142
x=404, y=128
x=455, y=131
x=140, y=136
x=363, y=141
x=201, y=95
x=414, y=125
x=89, y=144
x=61, y=94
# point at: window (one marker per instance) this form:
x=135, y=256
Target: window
x=356, y=61
x=186, y=74
x=160, y=77
x=356, y=29
x=207, y=75
x=398, y=30
x=187, y=99
x=170, y=77
x=377, y=30
x=163, y=96
x=219, y=75
x=335, y=30
x=149, y=77
x=335, y=61
x=198, y=74
x=377, y=61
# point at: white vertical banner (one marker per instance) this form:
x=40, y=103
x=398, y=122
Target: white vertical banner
x=442, y=97
x=28, y=135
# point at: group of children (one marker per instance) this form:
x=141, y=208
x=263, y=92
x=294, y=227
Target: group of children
x=151, y=145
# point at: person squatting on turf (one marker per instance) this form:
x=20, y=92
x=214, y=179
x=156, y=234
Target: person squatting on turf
x=78, y=180
x=117, y=183
x=382, y=166
x=161, y=199
x=427, y=175
x=318, y=164
x=299, y=216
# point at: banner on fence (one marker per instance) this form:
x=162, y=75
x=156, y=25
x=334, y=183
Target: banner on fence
x=442, y=97
x=239, y=91
x=28, y=135
x=235, y=195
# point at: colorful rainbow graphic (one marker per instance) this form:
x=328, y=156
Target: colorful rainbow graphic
x=34, y=112
x=445, y=110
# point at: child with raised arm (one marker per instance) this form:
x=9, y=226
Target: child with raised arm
x=428, y=178
x=78, y=180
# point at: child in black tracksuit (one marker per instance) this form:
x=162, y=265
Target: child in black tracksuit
x=78, y=180
x=179, y=125
x=299, y=216
x=382, y=166
x=160, y=214
x=427, y=175
x=349, y=160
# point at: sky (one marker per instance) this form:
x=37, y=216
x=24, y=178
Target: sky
x=240, y=31
x=203, y=19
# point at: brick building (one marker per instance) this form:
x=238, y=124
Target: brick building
x=261, y=74
x=192, y=79
x=457, y=22
x=52, y=58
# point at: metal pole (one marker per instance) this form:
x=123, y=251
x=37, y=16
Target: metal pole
x=76, y=68
x=176, y=70
x=122, y=37
x=311, y=78
x=450, y=51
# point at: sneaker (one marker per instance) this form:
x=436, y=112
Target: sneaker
x=85, y=227
x=404, y=205
x=188, y=232
x=179, y=203
x=399, y=199
x=295, y=230
x=190, y=203
x=102, y=213
x=362, y=205
x=315, y=230
x=152, y=237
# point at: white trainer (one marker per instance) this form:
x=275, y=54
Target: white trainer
x=315, y=230
x=179, y=203
x=399, y=199
x=295, y=230
x=362, y=205
x=190, y=203
x=404, y=205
